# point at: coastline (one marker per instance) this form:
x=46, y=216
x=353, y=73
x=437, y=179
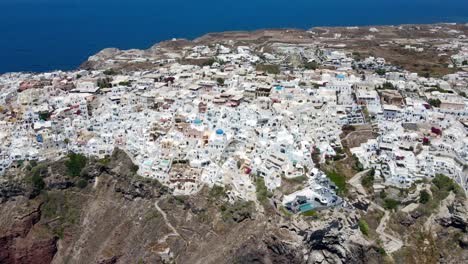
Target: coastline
x=295, y=35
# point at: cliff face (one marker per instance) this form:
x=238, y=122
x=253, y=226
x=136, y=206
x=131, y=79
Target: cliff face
x=18, y=240
x=122, y=218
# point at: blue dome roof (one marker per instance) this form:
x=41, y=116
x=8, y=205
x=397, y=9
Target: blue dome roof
x=197, y=121
x=219, y=132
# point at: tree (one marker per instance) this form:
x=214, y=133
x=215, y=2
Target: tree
x=388, y=86
x=424, y=197
x=125, y=83
x=37, y=181
x=104, y=83
x=81, y=183
x=44, y=115
x=465, y=62
x=75, y=163
x=110, y=72
x=380, y=71
x=312, y=65
x=435, y=102
x=220, y=81
x=390, y=204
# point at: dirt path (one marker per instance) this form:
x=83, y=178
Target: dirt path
x=166, y=221
x=390, y=243
x=355, y=181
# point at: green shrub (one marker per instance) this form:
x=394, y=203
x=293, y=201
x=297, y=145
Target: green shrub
x=312, y=65
x=180, y=199
x=262, y=192
x=380, y=71
x=435, y=102
x=388, y=86
x=105, y=161
x=220, y=81
x=268, y=68
x=338, y=180
x=37, y=182
x=424, y=197
x=368, y=180
x=382, y=251
x=33, y=163
x=310, y=213
x=390, y=204
x=296, y=180
x=125, y=83
x=44, y=115
x=383, y=195
x=237, y=212
x=110, y=72
x=445, y=185
x=75, y=163
x=82, y=183
x=217, y=192
x=364, y=227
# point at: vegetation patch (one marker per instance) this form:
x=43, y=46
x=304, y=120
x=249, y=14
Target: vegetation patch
x=110, y=72
x=367, y=181
x=82, y=183
x=61, y=210
x=310, y=213
x=217, y=191
x=364, y=227
x=180, y=199
x=372, y=220
x=75, y=163
x=296, y=180
x=440, y=188
x=36, y=177
x=238, y=211
x=390, y=204
x=435, y=102
x=311, y=65
x=339, y=181
x=424, y=197
x=268, y=68
x=262, y=192
x=285, y=212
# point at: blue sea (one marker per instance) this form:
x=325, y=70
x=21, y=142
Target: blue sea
x=43, y=35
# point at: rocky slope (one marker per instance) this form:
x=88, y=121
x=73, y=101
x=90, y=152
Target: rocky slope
x=122, y=218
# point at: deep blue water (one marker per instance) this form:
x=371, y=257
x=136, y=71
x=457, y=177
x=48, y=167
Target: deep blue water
x=42, y=35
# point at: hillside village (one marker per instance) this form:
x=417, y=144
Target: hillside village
x=240, y=114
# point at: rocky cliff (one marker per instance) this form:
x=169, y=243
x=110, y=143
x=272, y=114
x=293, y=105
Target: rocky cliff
x=119, y=217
